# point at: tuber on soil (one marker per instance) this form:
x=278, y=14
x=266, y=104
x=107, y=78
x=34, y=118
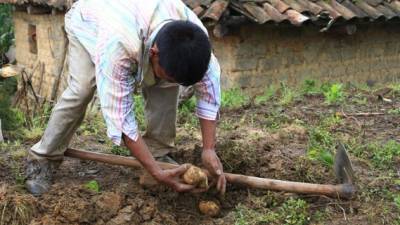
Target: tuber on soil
x=195, y=176
x=209, y=208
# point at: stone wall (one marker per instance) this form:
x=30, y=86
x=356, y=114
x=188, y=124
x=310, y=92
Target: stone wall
x=40, y=47
x=255, y=56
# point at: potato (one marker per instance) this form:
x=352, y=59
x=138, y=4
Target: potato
x=195, y=176
x=209, y=208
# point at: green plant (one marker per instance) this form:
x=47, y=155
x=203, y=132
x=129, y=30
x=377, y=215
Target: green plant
x=186, y=113
x=320, y=146
x=383, y=155
x=11, y=119
x=118, y=150
x=267, y=95
x=139, y=112
x=6, y=30
x=287, y=94
x=294, y=212
x=397, y=201
x=309, y=87
x=246, y=216
x=334, y=94
x=93, y=186
x=233, y=98
x=394, y=111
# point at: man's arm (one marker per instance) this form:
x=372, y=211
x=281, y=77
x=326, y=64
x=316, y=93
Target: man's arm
x=208, y=156
x=168, y=177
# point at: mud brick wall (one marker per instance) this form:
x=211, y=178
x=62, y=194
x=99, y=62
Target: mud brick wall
x=41, y=42
x=255, y=56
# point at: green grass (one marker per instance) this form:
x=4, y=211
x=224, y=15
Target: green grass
x=288, y=94
x=233, y=98
x=383, y=154
x=268, y=93
x=291, y=212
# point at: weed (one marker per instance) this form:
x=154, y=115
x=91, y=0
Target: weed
x=186, y=113
x=233, y=98
x=267, y=95
x=247, y=216
x=383, y=155
x=294, y=212
x=118, y=150
x=397, y=201
x=320, y=146
x=309, y=87
x=6, y=30
x=288, y=95
x=334, y=94
x=359, y=99
x=93, y=186
x=394, y=111
x=331, y=122
x=139, y=112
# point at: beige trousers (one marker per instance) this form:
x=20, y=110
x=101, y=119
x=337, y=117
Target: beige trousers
x=161, y=102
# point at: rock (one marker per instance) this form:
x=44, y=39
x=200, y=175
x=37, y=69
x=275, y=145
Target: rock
x=108, y=204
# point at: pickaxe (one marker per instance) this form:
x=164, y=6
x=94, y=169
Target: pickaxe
x=342, y=167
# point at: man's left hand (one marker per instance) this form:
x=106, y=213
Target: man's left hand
x=212, y=163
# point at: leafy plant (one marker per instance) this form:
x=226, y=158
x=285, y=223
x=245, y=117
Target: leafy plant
x=233, y=98
x=93, y=186
x=334, y=94
x=118, y=150
x=295, y=212
x=6, y=30
x=186, y=113
x=287, y=95
x=139, y=112
x=320, y=146
x=309, y=87
x=383, y=155
x=397, y=201
x=267, y=95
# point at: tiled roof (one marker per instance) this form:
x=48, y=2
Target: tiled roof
x=296, y=12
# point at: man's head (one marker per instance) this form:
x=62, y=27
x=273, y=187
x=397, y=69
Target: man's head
x=181, y=53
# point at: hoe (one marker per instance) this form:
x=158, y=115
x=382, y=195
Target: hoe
x=342, y=167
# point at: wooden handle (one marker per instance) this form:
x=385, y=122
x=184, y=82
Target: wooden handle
x=341, y=191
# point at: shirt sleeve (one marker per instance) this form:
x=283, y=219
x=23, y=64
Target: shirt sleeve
x=115, y=86
x=208, y=92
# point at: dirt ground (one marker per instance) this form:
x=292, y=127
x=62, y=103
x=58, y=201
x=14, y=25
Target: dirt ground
x=266, y=139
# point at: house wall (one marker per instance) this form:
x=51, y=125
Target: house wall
x=256, y=56
x=51, y=46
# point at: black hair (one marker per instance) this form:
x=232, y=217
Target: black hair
x=184, y=51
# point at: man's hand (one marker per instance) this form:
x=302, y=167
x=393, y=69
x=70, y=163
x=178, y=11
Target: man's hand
x=212, y=163
x=171, y=178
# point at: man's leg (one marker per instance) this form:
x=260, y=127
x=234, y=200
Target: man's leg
x=66, y=116
x=161, y=101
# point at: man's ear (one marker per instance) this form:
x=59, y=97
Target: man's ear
x=154, y=51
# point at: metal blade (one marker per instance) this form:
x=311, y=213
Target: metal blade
x=343, y=168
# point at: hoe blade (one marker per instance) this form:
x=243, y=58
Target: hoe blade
x=343, y=168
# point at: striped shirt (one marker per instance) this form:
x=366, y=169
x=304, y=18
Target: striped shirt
x=118, y=35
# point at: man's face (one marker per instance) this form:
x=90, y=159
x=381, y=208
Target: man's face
x=158, y=71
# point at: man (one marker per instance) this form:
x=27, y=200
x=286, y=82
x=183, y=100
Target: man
x=114, y=47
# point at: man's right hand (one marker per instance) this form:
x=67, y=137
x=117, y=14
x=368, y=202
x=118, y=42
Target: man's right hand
x=171, y=178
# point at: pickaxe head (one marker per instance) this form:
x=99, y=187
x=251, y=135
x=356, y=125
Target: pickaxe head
x=342, y=166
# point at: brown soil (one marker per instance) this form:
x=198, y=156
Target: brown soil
x=247, y=143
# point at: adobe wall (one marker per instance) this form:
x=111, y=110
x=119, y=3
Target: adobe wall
x=51, y=46
x=255, y=56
